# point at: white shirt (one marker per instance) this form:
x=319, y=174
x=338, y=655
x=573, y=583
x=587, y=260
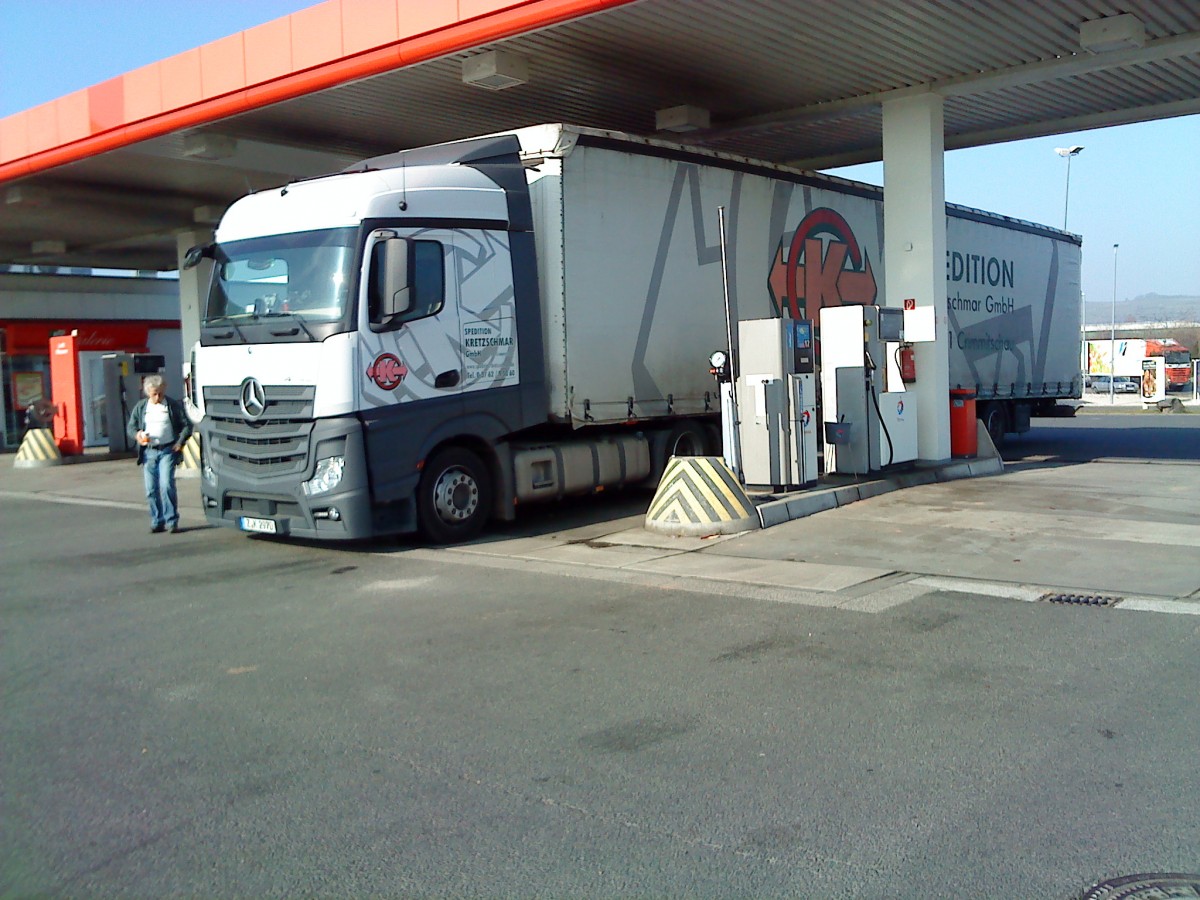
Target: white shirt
x=158, y=423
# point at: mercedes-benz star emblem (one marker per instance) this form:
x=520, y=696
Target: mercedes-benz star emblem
x=253, y=400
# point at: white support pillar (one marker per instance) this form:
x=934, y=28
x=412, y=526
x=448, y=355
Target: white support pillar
x=193, y=287
x=914, y=239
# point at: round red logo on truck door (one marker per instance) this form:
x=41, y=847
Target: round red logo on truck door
x=387, y=371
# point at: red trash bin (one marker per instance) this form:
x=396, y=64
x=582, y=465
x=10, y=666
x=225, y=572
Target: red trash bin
x=964, y=438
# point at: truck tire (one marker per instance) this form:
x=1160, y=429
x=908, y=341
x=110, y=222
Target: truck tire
x=454, y=496
x=995, y=419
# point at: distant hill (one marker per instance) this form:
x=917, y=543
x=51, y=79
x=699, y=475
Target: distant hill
x=1144, y=308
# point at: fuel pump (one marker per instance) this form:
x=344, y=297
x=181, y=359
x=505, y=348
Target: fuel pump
x=870, y=420
x=123, y=374
x=777, y=399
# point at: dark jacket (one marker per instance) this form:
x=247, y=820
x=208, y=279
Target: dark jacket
x=180, y=424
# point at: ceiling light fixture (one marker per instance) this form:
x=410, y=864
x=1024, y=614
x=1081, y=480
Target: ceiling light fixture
x=26, y=195
x=495, y=70
x=208, y=146
x=1123, y=32
x=682, y=119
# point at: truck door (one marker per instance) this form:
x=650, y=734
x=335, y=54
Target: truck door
x=410, y=364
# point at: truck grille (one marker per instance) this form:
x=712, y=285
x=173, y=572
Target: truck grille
x=274, y=445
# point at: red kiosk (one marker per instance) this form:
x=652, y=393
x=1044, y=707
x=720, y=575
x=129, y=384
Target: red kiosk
x=77, y=382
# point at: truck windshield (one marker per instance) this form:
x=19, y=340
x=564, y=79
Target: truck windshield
x=307, y=276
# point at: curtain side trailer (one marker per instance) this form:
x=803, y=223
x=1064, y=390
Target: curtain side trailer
x=435, y=337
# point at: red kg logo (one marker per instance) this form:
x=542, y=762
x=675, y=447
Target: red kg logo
x=824, y=266
x=387, y=371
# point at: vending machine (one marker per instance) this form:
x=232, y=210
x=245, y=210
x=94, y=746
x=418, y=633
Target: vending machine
x=777, y=403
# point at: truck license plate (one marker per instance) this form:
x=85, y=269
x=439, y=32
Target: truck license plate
x=262, y=526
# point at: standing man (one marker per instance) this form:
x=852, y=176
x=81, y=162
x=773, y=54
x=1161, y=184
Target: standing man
x=161, y=427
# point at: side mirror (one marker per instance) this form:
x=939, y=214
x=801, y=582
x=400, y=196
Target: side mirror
x=192, y=258
x=393, y=278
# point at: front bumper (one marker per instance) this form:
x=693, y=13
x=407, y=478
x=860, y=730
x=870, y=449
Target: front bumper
x=243, y=487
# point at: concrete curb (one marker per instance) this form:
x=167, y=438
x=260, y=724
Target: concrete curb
x=806, y=503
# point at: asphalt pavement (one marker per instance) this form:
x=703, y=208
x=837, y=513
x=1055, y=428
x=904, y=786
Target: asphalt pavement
x=887, y=699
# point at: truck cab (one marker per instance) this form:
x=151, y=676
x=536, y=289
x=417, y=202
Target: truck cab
x=353, y=325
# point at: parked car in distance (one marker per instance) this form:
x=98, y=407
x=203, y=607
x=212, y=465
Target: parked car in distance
x=1122, y=384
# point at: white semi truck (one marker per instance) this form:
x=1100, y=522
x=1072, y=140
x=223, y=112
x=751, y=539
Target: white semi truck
x=434, y=337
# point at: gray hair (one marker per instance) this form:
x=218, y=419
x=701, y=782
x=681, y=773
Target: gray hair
x=153, y=382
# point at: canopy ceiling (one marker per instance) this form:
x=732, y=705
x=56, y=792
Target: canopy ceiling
x=780, y=80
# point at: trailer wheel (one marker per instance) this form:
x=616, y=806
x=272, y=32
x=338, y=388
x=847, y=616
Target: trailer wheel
x=454, y=496
x=683, y=439
x=687, y=439
x=716, y=441
x=995, y=419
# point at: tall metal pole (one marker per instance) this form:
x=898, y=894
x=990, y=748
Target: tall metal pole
x=1112, y=336
x=734, y=363
x=1067, y=193
x=1067, y=153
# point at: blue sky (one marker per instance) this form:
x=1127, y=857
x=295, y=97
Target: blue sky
x=1135, y=185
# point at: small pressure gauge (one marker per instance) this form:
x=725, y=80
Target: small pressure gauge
x=718, y=359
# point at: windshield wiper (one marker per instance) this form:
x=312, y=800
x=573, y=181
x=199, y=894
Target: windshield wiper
x=295, y=318
x=212, y=323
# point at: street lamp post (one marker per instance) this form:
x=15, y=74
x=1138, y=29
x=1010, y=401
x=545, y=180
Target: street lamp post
x=1112, y=335
x=1068, y=153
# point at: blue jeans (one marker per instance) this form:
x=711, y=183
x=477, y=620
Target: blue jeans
x=158, y=471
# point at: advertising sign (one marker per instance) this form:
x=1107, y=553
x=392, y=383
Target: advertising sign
x=1154, y=380
x=28, y=388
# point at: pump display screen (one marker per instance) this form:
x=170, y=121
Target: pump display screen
x=800, y=339
x=891, y=324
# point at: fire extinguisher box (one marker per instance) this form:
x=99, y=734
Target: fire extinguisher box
x=964, y=434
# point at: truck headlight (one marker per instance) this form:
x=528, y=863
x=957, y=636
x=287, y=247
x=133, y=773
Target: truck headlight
x=327, y=475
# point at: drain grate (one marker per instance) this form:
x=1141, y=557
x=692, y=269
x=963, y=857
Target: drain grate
x=1151, y=886
x=1080, y=599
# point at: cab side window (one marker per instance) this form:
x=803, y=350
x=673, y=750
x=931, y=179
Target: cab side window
x=424, y=282
x=429, y=279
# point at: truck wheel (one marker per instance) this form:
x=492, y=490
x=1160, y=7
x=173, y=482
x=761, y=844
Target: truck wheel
x=995, y=419
x=454, y=496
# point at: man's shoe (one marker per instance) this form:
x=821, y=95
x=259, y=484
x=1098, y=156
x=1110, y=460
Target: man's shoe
x=175, y=529
x=158, y=529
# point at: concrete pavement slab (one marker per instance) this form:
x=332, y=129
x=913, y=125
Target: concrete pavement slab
x=639, y=537
x=798, y=575
x=614, y=557
x=1104, y=527
x=886, y=598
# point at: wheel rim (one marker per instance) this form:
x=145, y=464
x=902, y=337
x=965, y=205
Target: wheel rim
x=455, y=496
